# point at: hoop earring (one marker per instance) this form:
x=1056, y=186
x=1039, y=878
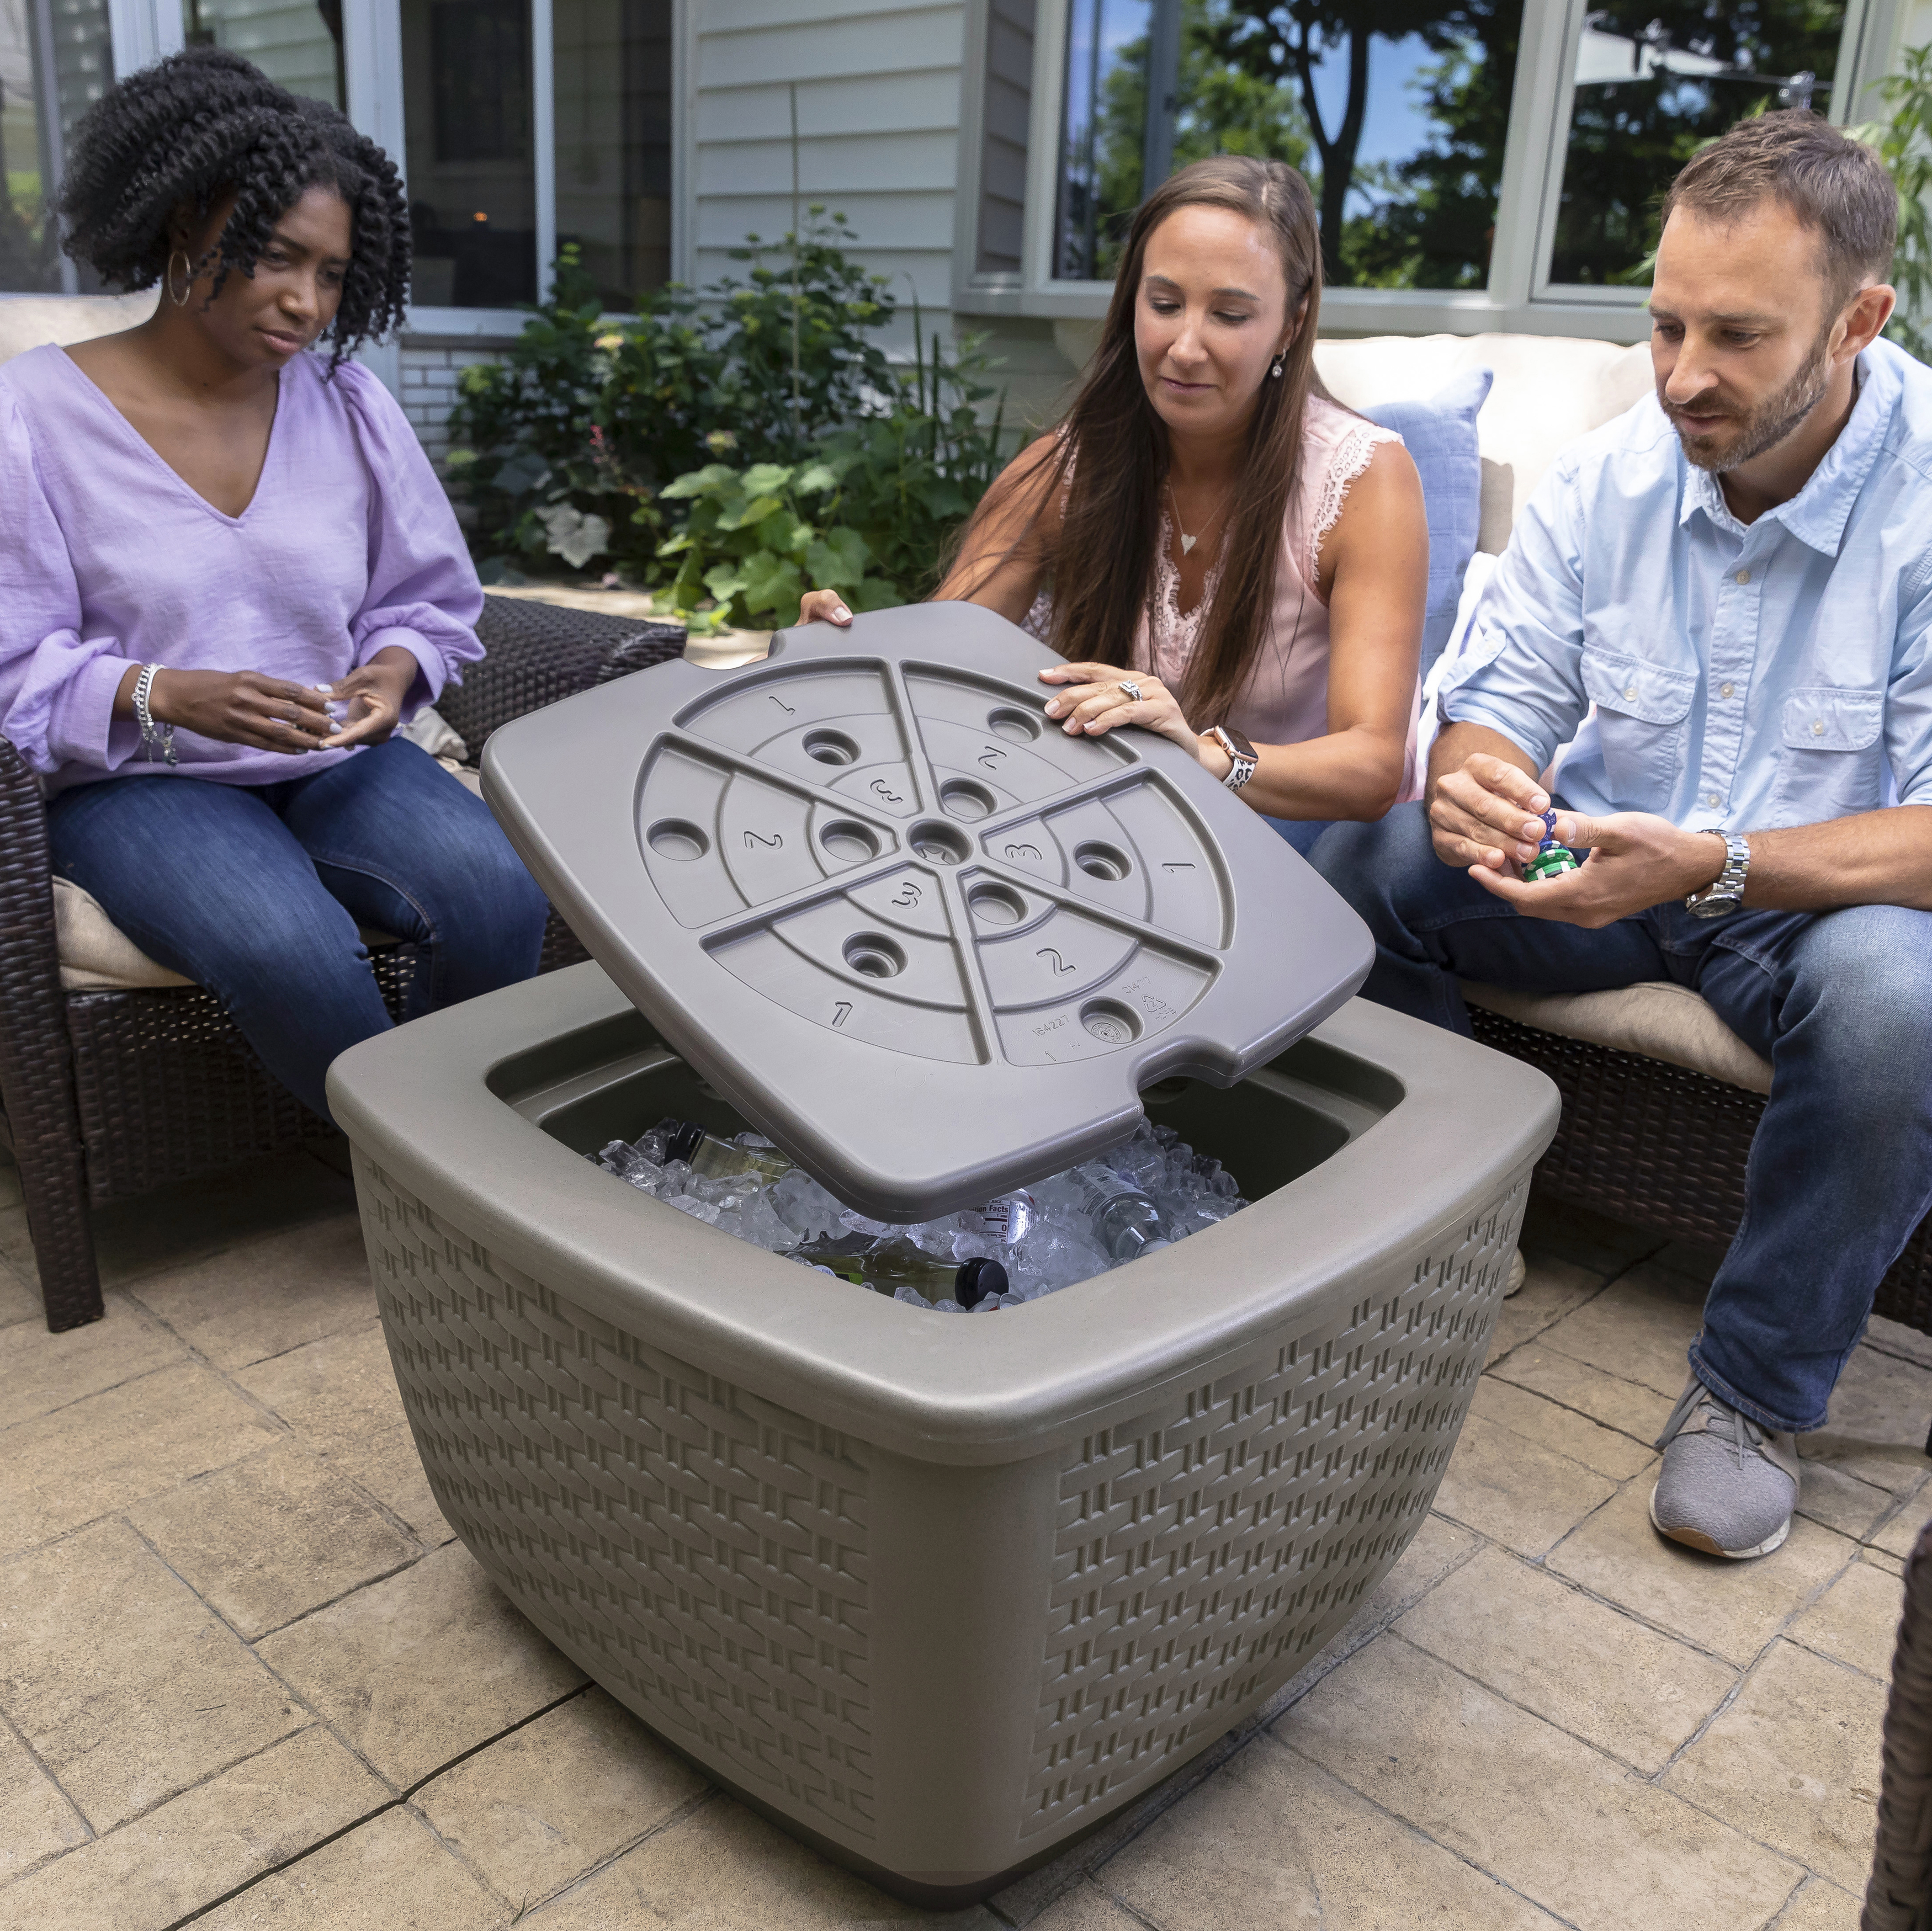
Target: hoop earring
x=1274, y=371
x=188, y=278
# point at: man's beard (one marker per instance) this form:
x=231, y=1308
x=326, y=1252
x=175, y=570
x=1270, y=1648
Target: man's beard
x=1767, y=425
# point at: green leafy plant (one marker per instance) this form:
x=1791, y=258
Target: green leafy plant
x=748, y=552
x=563, y=447
x=1904, y=141
x=870, y=516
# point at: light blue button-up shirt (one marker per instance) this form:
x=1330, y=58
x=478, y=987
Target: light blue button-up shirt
x=1747, y=676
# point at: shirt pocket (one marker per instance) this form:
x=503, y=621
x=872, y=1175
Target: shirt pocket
x=1643, y=712
x=1829, y=765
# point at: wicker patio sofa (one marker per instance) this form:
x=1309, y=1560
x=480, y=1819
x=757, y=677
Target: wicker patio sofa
x=1660, y=1100
x=112, y=1091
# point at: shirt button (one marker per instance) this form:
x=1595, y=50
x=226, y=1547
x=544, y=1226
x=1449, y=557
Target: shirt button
x=1630, y=694
x=1817, y=727
x=1710, y=798
x=1725, y=689
x=1743, y=575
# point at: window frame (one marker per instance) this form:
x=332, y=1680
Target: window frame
x=1519, y=298
x=1868, y=29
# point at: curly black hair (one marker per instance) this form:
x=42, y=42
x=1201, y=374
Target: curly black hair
x=205, y=123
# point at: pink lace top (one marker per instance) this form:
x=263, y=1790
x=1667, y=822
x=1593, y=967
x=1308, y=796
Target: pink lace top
x=1286, y=698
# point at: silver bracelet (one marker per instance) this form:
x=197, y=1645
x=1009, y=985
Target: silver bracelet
x=154, y=737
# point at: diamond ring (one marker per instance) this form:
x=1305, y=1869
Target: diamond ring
x=1131, y=689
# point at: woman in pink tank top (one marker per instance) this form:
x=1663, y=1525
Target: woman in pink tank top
x=1223, y=553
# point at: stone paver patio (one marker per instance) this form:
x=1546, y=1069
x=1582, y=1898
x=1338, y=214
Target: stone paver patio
x=247, y=1678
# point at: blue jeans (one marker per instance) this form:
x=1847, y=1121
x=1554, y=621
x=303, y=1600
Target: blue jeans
x=255, y=892
x=1302, y=833
x=1840, y=1003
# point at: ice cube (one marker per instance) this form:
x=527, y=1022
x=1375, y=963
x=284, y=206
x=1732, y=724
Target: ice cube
x=931, y=1236
x=698, y=1209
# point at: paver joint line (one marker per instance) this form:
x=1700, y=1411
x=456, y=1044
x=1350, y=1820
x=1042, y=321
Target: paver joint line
x=1407, y=1823
x=67, y=1796
x=509, y=1730
x=261, y=1876
x=688, y=1808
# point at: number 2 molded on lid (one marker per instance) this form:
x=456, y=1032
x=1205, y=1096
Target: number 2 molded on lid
x=929, y=943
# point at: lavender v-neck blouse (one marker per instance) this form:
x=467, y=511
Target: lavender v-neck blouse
x=108, y=558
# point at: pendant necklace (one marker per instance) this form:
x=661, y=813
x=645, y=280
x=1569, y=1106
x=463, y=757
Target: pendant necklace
x=1187, y=542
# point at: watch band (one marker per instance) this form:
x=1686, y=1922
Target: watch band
x=1242, y=760
x=1725, y=894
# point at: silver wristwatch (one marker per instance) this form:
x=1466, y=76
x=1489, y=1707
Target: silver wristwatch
x=1241, y=758
x=1725, y=894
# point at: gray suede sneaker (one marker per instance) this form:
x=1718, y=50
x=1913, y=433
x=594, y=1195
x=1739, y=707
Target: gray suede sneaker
x=1727, y=1486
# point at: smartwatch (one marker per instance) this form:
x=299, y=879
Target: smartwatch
x=1241, y=758
x=1725, y=894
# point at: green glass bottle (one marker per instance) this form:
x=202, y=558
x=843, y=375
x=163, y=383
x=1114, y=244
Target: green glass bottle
x=885, y=1266
x=705, y=1153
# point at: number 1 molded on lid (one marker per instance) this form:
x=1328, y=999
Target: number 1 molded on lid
x=930, y=943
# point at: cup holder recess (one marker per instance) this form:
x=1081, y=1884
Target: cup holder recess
x=846, y=838
x=963, y=799
x=677, y=838
x=1105, y=862
x=830, y=748
x=873, y=956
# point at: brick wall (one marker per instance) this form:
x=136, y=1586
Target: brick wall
x=430, y=370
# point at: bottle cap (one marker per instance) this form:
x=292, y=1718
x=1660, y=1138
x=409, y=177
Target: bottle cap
x=977, y=1279
x=683, y=1143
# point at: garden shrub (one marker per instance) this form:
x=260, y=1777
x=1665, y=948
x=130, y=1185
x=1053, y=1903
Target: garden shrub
x=596, y=440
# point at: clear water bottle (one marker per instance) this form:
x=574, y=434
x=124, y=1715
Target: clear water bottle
x=1005, y=1222
x=885, y=1266
x=717, y=1159
x=1126, y=1223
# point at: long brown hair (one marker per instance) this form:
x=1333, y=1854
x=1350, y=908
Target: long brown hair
x=1116, y=446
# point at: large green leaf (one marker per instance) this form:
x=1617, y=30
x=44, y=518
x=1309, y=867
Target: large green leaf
x=708, y=481
x=838, y=558
x=743, y=515
x=771, y=581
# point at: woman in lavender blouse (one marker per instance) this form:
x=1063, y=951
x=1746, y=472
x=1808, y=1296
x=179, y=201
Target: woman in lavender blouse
x=214, y=533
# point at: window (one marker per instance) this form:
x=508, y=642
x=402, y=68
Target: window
x=530, y=124
x=1651, y=81
x=1476, y=164
x=55, y=61
x=1397, y=116
x=470, y=157
x=614, y=141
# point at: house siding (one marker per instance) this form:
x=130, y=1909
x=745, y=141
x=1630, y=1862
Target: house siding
x=878, y=122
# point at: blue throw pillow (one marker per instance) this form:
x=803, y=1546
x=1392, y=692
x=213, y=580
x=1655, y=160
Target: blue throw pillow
x=1441, y=436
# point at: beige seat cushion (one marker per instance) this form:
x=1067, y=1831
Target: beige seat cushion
x=1548, y=390
x=1662, y=1020
x=97, y=956
x=28, y=321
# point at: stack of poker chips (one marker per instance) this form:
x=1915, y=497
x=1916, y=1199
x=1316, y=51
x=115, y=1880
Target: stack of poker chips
x=1551, y=860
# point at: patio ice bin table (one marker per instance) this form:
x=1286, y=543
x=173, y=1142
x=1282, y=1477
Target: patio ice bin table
x=938, y=1593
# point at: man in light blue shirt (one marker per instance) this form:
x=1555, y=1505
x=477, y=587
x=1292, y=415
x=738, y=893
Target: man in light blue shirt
x=1737, y=575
